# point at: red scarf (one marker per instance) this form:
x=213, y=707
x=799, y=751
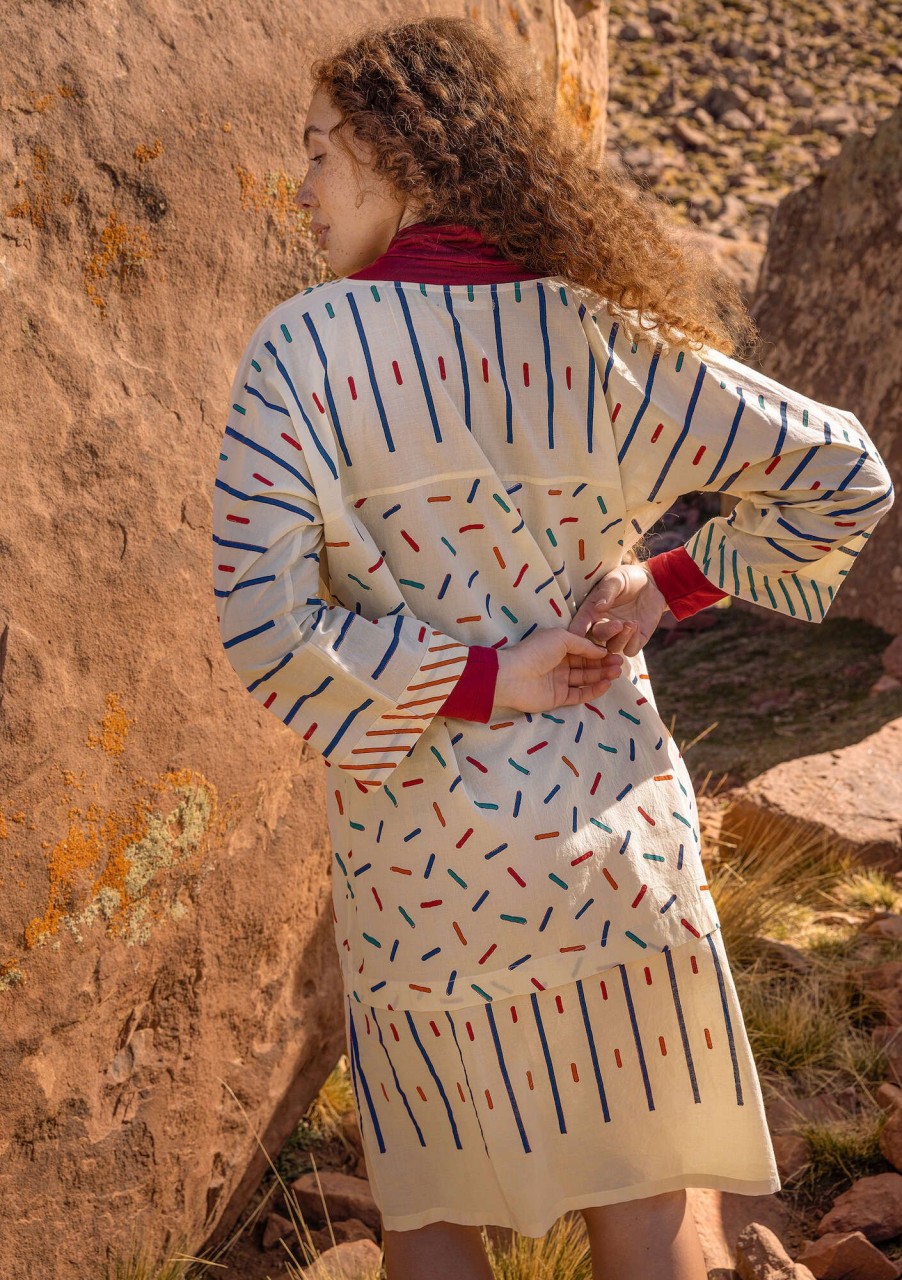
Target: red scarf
x=443, y=253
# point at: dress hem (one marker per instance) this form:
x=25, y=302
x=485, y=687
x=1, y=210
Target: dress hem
x=615, y=1195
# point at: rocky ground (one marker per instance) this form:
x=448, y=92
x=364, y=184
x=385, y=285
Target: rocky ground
x=725, y=107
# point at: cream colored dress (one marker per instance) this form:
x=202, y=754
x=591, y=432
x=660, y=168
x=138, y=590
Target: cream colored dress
x=460, y=464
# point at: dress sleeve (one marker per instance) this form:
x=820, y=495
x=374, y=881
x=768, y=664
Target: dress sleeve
x=359, y=690
x=811, y=485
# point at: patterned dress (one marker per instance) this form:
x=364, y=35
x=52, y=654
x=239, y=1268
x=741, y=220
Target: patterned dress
x=540, y=1013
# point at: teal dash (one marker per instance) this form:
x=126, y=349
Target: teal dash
x=636, y=939
x=455, y=876
x=558, y=880
x=473, y=984
x=515, y=919
x=501, y=502
x=285, y=332
x=407, y=917
x=374, y=941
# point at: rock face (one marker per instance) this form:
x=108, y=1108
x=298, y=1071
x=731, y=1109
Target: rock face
x=169, y=986
x=852, y=797
x=826, y=300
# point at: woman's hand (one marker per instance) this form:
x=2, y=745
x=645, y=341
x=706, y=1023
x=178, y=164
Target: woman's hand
x=628, y=594
x=554, y=667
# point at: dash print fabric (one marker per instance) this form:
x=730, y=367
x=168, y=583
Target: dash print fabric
x=411, y=469
x=632, y=1082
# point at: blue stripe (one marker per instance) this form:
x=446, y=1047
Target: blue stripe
x=675, y=991
x=268, y=453
x=629, y=1005
x=548, y=375
x=427, y=392
x=395, y=641
x=369, y=364
x=355, y=1053
x=782, y=436
x=287, y=377
x=731, y=436
x=804, y=463
x=643, y=406
x=435, y=1076
x=496, y=313
x=467, y=1078
x=343, y=727
x=262, y=497
x=506, y=1077
x=276, y=408
x=397, y=1081
x=590, y=401
x=248, y=635
x=709, y=938
x=460, y=355
x=696, y=391
x=784, y=551
x=327, y=389
x=241, y=546
x=268, y=675
x=554, y=1089
x=591, y=1038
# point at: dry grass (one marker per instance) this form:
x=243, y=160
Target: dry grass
x=563, y=1253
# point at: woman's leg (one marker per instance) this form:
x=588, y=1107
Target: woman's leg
x=654, y=1237
x=438, y=1251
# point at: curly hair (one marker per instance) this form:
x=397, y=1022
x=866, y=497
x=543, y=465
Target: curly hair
x=462, y=123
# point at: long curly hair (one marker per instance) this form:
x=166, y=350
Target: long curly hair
x=462, y=123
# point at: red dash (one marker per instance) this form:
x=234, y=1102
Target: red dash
x=537, y=747
x=461, y=1092
x=270, y=700
x=708, y=1041
x=394, y=1031
x=513, y=1013
x=398, y=378
x=413, y=782
x=845, y=524
x=470, y=1031
x=376, y=896
x=595, y=784
x=226, y=568
x=639, y=896
x=525, y=373
x=694, y=963
x=406, y=536
x=521, y=882
x=698, y=457
x=647, y=818
x=657, y=431
x=648, y=975
x=317, y=402
x=816, y=484
x=568, y=377
x=374, y=567
x=560, y=1004
x=535, y=982
x=581, y=946
x=574, y=1072
x=413, y=986
x=617, y=1058
x=383, y=1091
x=437, y=902
x=294, y=443
x=529, y=1080
x=420, y=1092
x=466, y=835
x=604, y=990
x=457, y=930
x=691, y=928
x=639, y=701
x=555, y=606
x=402, y=871
x=465, y=528
x=600, y=714
x=238, y=519
x=485, y=369
x=441, y=367
x=311, y=731
x=262, y=479
x=353, y=388
x=569, y=520
x=482, y=959
x=520, y=575
x=488, y=1098
x=434, y=1028
x=617, y=408
x=770, y=466
x=582, y=857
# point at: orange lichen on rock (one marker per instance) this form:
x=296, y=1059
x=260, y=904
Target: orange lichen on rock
x=144, y=153
x=274, y=194
x=581, y=107
x=37, y=203
x=113, y=728
x=4, y=829
x=123, y=250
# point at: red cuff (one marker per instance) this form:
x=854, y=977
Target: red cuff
x=682, y=583
x=473, y=696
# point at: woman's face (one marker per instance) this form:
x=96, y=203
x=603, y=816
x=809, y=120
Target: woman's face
x=354, y=211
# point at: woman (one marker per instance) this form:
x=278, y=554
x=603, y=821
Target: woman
x=460, y=440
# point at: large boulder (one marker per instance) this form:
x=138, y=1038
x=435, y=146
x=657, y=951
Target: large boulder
x=828, y=303
x=169, y=986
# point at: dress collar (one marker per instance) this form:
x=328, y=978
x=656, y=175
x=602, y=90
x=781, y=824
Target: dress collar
x=443, y=253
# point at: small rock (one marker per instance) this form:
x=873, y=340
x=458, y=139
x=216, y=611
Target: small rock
x=277, y=1228
x=351, y=1229
x=885, y=684
x=836, y=120
x=891, y=657
x=890, y=1140
x=847, y=1256
x=872, y=1205
x=350, y=1130
x=737, y=120
x=888, y=1096
x=885, y=927
x=690, y=136
x=761, y=1256
x=358, y=1260
x=636, y=31
x=345, y=1196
